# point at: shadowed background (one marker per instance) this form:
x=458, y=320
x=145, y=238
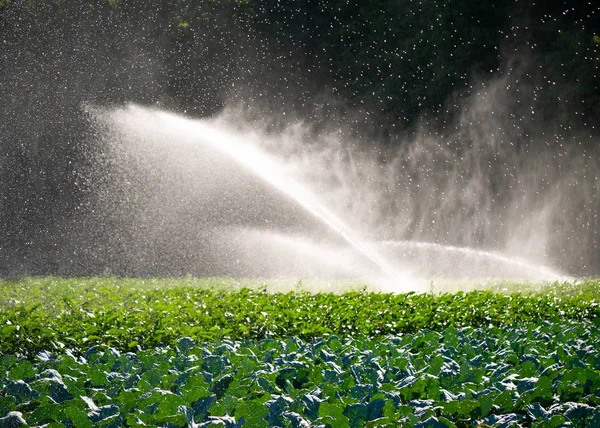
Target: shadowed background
x=450, y=122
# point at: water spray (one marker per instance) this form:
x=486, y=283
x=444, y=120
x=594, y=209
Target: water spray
x=267, y=168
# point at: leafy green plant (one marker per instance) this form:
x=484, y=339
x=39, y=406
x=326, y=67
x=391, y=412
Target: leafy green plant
x=537, y=375
x=52, y=313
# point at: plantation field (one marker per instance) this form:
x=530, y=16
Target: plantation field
x=221, y=352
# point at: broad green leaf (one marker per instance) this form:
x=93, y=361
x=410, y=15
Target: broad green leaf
x=253, y=411
x=214, y=364
x=7, y=404
x=168, y=407
x=103, y=413
x=23, y=370
x=54, y=389
x=357, y=414
x=184, y=345
x=202, y=405
x=45, y=413
x=464, y=409
x=333, y=412
x=195, y=388
x=311, y=403
x=224, y=406
x=21, y=391
x=78, y=417
x=296, y=420
x=276, y=408
x=375, y=409
x=554, y=422
x=502, y=421
x=220, y=385
x=536, y=411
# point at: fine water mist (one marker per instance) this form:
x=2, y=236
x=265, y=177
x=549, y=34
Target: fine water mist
x=495, y=180
x=219, y=138
x=233, y=196
x=237, y=155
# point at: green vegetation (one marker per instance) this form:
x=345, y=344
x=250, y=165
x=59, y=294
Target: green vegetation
x=48, y=313
x=223, y=352
x=544, y=376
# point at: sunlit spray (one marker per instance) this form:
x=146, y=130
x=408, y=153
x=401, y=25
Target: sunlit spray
x=154, y=140
x=237, y=148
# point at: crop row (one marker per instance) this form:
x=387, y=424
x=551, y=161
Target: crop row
x=545, y=375
x=49, y=313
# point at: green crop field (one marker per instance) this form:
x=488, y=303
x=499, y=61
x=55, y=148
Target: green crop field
x=223, y=352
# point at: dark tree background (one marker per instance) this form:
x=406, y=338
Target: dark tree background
x=387, y=64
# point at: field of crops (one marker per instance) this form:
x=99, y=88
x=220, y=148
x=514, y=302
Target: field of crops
x=113, y=352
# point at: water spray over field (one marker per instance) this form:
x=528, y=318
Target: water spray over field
x=390, y=145
x=250, y=202
x=204, y=136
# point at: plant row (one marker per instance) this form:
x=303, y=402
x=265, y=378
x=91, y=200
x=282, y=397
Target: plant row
x=49, y=313
x=545, y=376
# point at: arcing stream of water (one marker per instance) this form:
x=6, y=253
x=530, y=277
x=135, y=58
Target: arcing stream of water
x=482, y=264
x=399, y=272
x=267, y=168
